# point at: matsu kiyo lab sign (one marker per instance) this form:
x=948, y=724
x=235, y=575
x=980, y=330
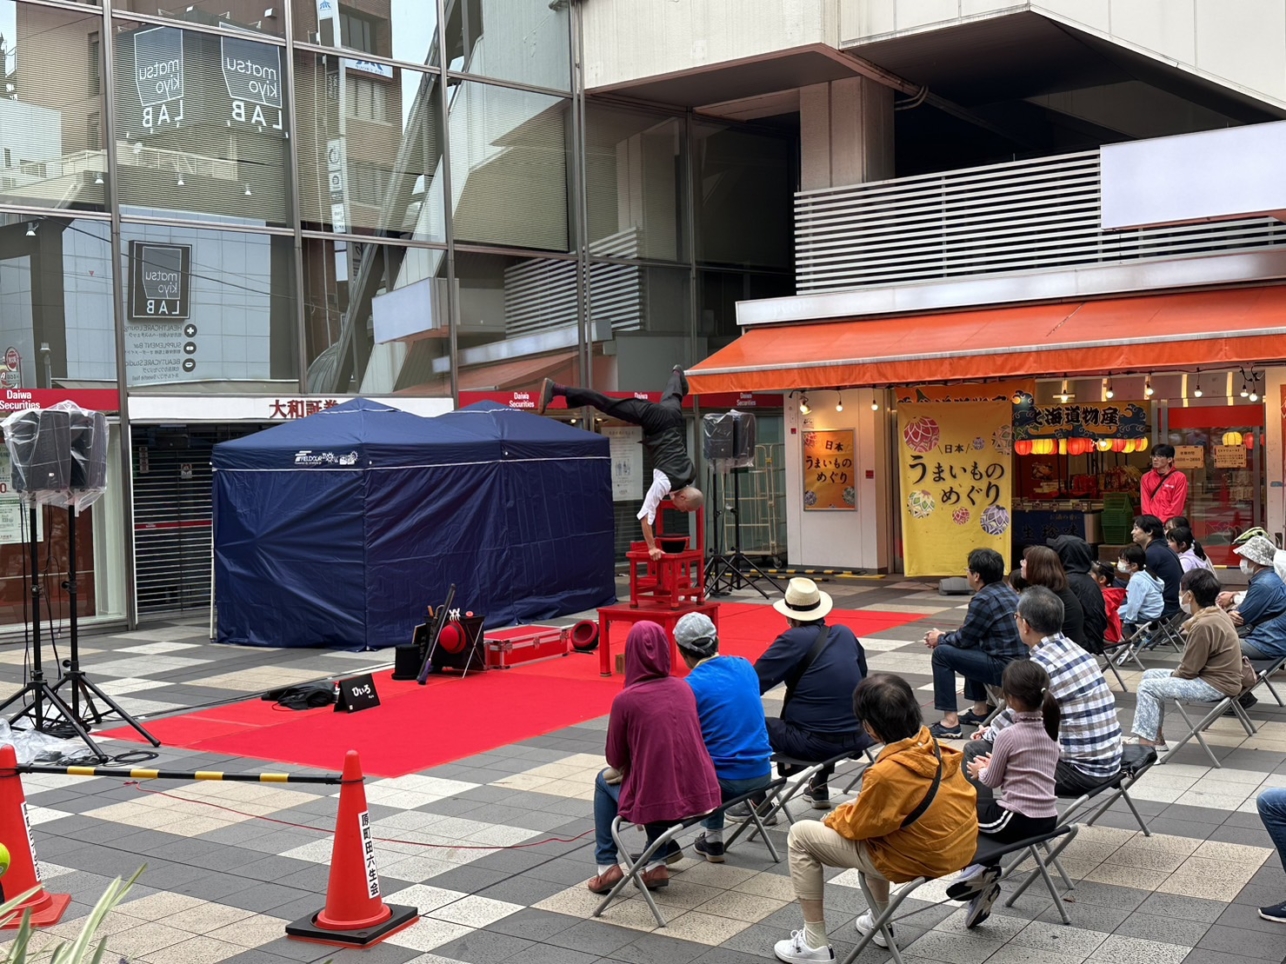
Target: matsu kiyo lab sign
x=160, y=278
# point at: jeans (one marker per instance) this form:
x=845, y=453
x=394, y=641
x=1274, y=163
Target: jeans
x=1272, y=811
x=731, y=789
x=652, y=417
x=977, y=667
x=1159, y=685
x=607, y=799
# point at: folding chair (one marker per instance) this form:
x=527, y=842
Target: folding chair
x=1264, y=668
x=771, y=793
x=1109, y=663
x=805, y=772
x=989, y=852
x=635, y=867
x=1195, y=729
x=1145, y=637
x=1169, y=629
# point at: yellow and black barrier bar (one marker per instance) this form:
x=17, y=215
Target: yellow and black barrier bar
x=137, y=773
x=849, y=573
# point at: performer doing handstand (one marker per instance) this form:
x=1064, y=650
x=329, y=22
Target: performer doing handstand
x=663, y=431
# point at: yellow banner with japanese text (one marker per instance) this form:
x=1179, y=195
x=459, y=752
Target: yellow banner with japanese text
x=829, y=483
x=956, y=467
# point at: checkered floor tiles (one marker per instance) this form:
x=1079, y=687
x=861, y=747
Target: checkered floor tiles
x=494, y=849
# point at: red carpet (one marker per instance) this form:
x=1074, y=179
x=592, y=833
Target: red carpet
x=416, y=727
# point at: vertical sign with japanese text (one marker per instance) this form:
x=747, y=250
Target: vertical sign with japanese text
x=627, y=461
x=829, y=483
x=956, y=467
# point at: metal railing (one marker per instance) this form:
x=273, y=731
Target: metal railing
x=1041, y=213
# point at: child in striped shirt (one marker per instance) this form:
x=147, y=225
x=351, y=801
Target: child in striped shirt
x=1021, y=765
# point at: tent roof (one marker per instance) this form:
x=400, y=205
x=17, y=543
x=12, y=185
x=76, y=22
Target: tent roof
x=355, y=435
x=525, y=434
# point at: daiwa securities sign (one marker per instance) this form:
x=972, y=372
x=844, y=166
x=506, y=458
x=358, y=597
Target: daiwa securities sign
x=160, y=279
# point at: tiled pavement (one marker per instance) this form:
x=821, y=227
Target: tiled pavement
x=490, y=848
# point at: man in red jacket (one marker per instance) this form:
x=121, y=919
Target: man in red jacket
x=1164, y=490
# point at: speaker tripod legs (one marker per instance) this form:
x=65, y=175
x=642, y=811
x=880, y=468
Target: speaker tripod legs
x=82, y=685
x=44, y=693
x=735, y=570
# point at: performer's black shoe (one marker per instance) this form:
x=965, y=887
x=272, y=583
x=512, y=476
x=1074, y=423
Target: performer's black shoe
x=683, y=379
x=546, y=396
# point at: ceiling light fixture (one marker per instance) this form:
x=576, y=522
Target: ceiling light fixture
x=1107, y=388
x=1064, y=395
x=248, y=194
x=1197, y=392
x=1148, y=390
x=839, y=406
x=179, y=182
x=804, y=408
x=31, y=229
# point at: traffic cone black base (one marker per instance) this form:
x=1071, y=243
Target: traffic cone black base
x=306, y=929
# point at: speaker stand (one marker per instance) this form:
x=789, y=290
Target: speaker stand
x=38, y=687
x=727, y=571
x=81, y=685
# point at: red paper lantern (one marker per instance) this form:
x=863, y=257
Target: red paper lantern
x=1118, y=445
x=1022, y=447
x=1250, y=440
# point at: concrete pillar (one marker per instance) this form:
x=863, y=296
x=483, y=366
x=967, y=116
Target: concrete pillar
x=846, y=129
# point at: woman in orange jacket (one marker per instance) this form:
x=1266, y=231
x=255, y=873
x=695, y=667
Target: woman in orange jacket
x=915, y=817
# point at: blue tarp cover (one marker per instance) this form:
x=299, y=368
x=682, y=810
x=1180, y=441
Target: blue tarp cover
x=339, y=529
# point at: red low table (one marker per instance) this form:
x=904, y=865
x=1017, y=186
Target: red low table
x=661, y=614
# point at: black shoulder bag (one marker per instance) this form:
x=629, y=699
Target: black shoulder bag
x=819, y=644
x=920, y=811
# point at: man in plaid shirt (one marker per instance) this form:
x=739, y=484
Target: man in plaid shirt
x=979, y=650
x=1089, y=733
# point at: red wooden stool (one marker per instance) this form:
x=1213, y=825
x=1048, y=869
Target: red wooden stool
x=666, y=617
x=678, y=578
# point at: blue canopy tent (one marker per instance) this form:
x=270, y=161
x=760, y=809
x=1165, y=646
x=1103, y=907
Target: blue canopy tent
x=338, y=529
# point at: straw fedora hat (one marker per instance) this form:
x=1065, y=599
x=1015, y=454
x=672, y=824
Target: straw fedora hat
x=804, y=601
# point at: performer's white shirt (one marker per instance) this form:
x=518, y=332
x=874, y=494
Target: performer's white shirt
x=655, y=496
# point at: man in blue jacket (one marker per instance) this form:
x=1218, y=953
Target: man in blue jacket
x=732, y=720
x=817, y=720
x=1263, y=610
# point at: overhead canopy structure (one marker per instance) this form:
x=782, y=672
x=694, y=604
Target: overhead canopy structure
x=339, y=529
x=1209, y=329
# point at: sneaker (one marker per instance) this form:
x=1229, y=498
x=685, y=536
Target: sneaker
x=972, y=880
x=673, y=854
x=742, y=810
x=1276, y=913
x=866, y=923
x=712, y=850
x=1161, y=747
x=546, y=396
x=659, y=877
x=820, y=794
x=973, y=719
x=797, y=949
x=1247, y=700
x=979, y=908
x=939, y=731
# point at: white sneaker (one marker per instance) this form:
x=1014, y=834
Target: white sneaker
x=796, y=949
x=866, y=923
x=972, y=880
x=979, y=907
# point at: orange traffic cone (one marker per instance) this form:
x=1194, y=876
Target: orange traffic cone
x=15, y=833
x=355, y=915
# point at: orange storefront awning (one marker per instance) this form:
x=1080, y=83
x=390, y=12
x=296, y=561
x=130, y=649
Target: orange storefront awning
x=1209, y=329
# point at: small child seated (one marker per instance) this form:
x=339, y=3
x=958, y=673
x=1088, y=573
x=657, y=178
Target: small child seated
x=1113, y=597
x=1021, y=765
x=1143, y=599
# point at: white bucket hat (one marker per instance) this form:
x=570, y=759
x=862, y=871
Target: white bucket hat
x=1259, y=550
x=804, y=601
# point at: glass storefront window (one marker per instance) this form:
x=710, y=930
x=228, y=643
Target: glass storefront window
x=56, y=302
x=509, y=164
x=524, y=41
x=634, y=169
x=201, y=125
x=51, y=135
x=210, y=307
x=746, y=196
x=241, y=15
x=370, y=151
x=396, y=29
x=376, y=318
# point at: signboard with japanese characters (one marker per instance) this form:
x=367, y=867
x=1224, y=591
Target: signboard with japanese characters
x=1124, y=420
x=956, y=471
x=1230, y=456
x=1189, y=457
x=278, y=409
x=627, y=461
x=829, y=475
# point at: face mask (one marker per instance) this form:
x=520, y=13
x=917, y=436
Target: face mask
x=1122, y=567
x=1245, y=566
x=1185, y=606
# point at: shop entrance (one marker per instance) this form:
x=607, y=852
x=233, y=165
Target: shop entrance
x=1221, y=450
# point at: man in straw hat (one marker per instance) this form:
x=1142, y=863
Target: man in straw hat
x=732, y=720
x=664, y=436
x=821, y=666
x=1262, y=612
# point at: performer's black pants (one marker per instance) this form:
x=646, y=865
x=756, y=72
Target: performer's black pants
x=652, y=417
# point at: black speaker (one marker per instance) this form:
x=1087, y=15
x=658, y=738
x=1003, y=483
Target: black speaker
x=41, y=450
x=88, y=450
x=730, y=436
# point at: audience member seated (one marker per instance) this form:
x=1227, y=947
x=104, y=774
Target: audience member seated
x=1272, y=811
x=1089, y=733
x=1181, y=522
x=1261, y=614
x=1181, y=543
x=732, y=720
x=817, y=719
x=654, y=746
x=1078, y=559
x=1211, y=664
x=1149, y=533
x=1144, y=599
x=1042, y=567
x=1231, y=600
x=916, y=816
x=1022, y=766
x=1113, y=598
x=979, y=650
